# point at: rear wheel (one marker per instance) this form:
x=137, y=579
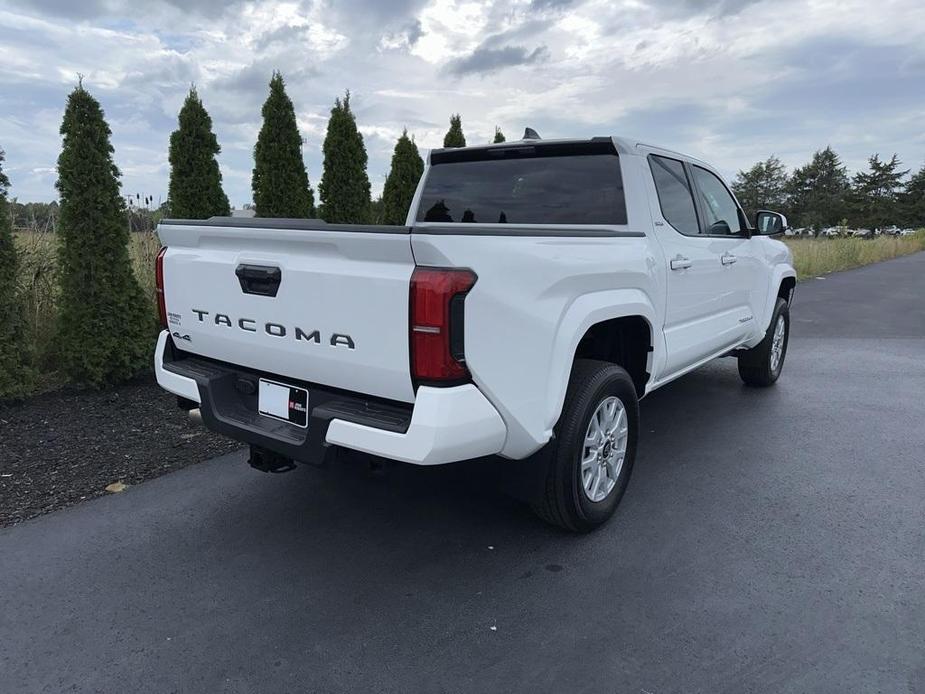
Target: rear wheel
x=761, y=365
x=595, y=446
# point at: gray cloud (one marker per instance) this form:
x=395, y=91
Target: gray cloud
x=485, y=59
x=91, y=9
x=551, y=4
x=718, y=8
x=285, y=35
x=254, y=80
x=414, y=31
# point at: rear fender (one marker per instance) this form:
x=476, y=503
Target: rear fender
x=585, y=311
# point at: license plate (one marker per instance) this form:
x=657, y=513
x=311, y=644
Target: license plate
x=280, y=401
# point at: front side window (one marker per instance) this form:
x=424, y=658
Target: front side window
x=720, y=207
x=674, y=194
x=524, y=185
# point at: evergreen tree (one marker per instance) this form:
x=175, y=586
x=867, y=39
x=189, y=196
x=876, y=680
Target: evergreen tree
x=454, y=136
x=407, y=167
x=15, y=359
x=105, y=320
x=874, y=195
x=195, y=190
x=344, y=187
x=499, y=136
x=817, y=192
x=762, y=187
x=280, y=182
x=912, y=201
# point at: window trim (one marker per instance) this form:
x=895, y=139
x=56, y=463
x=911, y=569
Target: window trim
x=698, y=213
x=744, y=231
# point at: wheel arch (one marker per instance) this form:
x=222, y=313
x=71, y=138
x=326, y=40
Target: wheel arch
x=782, y=284
x=616, y=326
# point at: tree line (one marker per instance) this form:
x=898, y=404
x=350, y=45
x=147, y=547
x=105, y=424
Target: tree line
x=105, y=323
x=820, y=194
x=279, y=180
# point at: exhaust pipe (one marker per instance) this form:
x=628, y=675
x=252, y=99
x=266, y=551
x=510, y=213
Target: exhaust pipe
x=195, y=416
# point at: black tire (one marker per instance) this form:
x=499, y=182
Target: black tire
x=564, y=501
x=755, y=365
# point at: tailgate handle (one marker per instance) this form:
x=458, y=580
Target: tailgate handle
x=262, y=280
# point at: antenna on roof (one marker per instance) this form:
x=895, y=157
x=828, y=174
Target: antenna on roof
x=531, y=134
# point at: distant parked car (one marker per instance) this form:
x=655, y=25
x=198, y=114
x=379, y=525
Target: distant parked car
x=908, y=232
x=892, y=230
x=861, y=233
x=831, y=232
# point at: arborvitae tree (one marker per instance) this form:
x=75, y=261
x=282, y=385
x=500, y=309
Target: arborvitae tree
x=817, y=192
x=105, y=320
x=15, y=371
x=762, y=187
x=454, y=136
x=344, y=187
x=499, y=136
x=195, y=190
x=280, y=182
x=874, y=195
x=912, y=201
x=407, y=167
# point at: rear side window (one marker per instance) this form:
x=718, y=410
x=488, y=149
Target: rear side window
x=525, y=185
x=674, y=194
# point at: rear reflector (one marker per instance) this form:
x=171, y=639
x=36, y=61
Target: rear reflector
x=436, y=329
x=159, y=286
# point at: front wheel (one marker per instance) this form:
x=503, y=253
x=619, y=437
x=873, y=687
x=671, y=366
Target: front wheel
x=761, y=365
x=595, y=446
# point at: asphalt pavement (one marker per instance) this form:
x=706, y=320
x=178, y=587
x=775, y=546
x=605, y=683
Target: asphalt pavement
x=770, y=541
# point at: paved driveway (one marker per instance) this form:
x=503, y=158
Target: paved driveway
x=770, y=541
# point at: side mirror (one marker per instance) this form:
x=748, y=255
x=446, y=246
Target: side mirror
x=768, y=223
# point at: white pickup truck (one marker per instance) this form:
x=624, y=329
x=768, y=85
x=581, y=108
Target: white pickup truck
x=538, y=290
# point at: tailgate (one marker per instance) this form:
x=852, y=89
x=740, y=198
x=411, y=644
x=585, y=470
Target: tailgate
x=339, y=316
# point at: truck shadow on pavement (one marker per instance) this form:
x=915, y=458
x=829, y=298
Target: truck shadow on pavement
x=465, y=500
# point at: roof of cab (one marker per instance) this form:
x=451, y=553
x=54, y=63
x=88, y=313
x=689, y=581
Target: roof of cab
x=624, y=145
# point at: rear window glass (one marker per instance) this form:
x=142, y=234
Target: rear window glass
x=524, y=187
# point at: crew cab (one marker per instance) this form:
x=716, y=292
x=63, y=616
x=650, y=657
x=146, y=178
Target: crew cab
x=537, y=291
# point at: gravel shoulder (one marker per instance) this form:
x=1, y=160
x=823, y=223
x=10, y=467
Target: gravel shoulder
x=60, y=448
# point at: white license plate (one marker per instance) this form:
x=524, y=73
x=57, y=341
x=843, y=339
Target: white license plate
x=281, y=401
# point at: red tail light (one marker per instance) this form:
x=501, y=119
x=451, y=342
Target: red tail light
x=159, y=286
x=436, y=336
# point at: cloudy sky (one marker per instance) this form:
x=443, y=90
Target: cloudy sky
x=731, y=81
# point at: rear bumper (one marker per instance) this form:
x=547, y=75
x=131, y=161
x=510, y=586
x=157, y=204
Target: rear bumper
x=444, y=425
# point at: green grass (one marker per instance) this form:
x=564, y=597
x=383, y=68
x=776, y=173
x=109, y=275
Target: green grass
x=814, y=257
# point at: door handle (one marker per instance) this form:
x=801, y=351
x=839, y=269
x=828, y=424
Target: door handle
x=727, y=259
x=679, y=262
x=262, y=280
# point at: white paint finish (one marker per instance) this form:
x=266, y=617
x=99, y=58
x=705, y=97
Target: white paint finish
x=447, y=425
x=705, y=302
x=169, y=381
x=533, y=301
x=347, y=283
x=535, y=298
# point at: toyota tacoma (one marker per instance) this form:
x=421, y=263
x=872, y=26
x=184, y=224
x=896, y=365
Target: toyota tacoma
x=538, y=290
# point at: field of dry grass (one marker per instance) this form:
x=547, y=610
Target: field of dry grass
x=814, y=257
x=37, y=268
